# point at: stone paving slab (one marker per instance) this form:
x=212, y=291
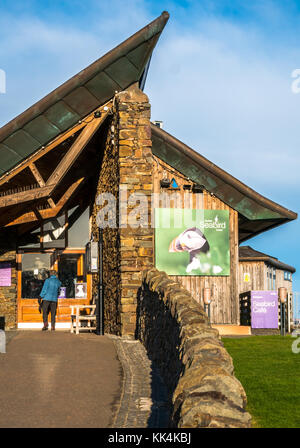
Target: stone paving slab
x=144, y=401
x=56, y=379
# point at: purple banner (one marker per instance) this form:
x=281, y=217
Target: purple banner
x=264, y=309
x=5, y=274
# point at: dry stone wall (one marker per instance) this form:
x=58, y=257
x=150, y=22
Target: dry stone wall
x=196, y=368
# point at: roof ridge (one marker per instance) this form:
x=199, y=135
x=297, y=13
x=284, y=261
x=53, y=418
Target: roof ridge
x=258, y=252
x=76, y=98
x=146, y=33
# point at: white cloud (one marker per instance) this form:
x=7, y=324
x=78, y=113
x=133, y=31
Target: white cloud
x=39, y=55
x=230, y=102
x=220, y=87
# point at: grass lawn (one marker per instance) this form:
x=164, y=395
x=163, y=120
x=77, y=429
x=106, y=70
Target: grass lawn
x=270, y=374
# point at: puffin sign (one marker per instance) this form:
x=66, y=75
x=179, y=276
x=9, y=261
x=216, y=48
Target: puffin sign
x=192, y=241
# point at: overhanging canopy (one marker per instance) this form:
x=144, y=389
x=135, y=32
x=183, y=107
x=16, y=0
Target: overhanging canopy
x=256, y=213
x=79, y=96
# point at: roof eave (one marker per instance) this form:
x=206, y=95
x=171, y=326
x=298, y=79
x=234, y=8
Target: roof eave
x=284, y=215
x=273, y=262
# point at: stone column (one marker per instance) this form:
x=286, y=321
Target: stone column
x=135, y=171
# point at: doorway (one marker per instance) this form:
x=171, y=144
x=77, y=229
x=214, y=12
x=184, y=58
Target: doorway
x=34, y=268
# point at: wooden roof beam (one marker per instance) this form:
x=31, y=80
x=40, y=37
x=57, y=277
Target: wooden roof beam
x=38, y=177
x=76, y=149
x=53, y=144
x=26, y=196
x=49, y=212
x=64, y=166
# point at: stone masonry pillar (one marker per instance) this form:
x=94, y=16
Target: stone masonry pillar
x=135, y=165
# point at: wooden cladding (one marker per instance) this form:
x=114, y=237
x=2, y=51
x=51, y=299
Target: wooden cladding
x=224, y=289
x=254, y=276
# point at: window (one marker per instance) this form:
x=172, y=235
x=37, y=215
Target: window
x=78, y=230
x=271, y=278
x=54, y=232
x=274, y=279
x=35, y=270
x=288, y=276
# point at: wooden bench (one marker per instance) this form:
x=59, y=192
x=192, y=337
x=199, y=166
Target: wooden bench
x=77, y=318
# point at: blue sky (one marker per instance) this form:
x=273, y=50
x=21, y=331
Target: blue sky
x=220, y=79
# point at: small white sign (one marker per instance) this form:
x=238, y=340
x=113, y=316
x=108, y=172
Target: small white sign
x=94, y=266
x=80, y=290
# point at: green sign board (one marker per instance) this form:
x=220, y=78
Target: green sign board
x=192, y=241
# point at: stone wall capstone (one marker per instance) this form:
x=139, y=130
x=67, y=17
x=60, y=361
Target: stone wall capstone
x=193, y=362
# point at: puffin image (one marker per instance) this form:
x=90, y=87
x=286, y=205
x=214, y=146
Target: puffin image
x=193, y=241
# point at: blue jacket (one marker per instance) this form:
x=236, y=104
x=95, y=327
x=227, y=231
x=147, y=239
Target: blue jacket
x=51, y=289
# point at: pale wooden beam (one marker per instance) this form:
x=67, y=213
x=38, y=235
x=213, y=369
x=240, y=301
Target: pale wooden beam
x=39, y=215
x=37, y=174
x=76, y=149
x=63, y=167
x=40, y=180
x=53, y=144
x=26, y=196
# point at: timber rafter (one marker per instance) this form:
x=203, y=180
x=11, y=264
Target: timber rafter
x=87, y=128
x=40, y=215
x=105, y=109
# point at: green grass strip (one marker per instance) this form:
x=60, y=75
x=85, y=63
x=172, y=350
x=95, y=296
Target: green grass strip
x=270, y=374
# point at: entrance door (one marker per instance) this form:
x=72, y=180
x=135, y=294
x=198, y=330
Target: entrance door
x=34, y=269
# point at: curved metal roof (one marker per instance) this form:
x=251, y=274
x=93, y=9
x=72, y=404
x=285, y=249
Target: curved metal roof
x=256, y=213
x=78, y=96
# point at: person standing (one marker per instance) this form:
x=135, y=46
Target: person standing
x=49, y=295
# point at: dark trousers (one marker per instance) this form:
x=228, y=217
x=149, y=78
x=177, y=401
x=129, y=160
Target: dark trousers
x=49, y=306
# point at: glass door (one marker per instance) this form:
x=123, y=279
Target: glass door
x=33, y=269
x=71, y=275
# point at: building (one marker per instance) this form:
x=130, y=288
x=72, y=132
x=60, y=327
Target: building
x=92, y=139
x=262, y=272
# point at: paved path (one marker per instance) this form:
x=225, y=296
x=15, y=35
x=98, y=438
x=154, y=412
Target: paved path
x=56, y=379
